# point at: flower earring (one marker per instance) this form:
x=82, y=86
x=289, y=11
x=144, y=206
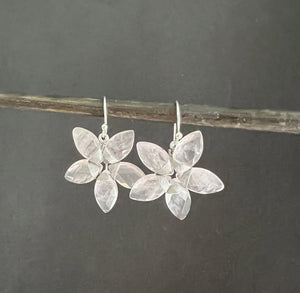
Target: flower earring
x=174, y=174
x=104, y=152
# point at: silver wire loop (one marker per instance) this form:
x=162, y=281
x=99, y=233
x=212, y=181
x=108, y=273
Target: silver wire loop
x=105, y=110
x=104, y=136
x=177, y=135
x=178, y=116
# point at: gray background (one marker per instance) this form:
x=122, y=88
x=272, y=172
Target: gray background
x=53, y=236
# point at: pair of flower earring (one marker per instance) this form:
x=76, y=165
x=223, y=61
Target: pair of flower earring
x=173, y=171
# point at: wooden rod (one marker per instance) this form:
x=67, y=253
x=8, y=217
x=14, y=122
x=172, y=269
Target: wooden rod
x=251, y=119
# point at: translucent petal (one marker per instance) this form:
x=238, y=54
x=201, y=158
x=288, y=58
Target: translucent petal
x=188, y=151
x=82, y=172
x=87, y=144
x=149, y=187
x=118, y=146
x=154, y=158
x=106, y=191
x=179, y=167
x=201, y=181
x=126, y=174
x=178, y=200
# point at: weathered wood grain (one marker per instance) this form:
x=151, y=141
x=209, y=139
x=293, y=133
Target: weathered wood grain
x=251, y=119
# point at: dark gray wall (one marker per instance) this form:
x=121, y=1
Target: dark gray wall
x=53, y=236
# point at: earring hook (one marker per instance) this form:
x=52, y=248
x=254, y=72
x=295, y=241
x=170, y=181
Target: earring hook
x=177, y=135
x=104, y=127
x=105, y=110
x=178, y=116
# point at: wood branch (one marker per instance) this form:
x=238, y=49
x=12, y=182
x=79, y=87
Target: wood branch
x=261, y=120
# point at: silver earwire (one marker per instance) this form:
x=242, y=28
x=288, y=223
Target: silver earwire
x=104, y=136
x=105, y=110
x=178, y=116
x=174, y=131
x=177, y=135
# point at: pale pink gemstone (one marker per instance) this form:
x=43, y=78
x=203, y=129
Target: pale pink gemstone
x=106, y=191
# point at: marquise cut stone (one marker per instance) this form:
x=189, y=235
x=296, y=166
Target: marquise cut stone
x=126, y=174
x=118, y=146
x=87, y=144
x=178, y=200
x=202, y=181
x=188, y=150
x=149, y=187
x=106, y=191
x=154, y=158
x=82, y=172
